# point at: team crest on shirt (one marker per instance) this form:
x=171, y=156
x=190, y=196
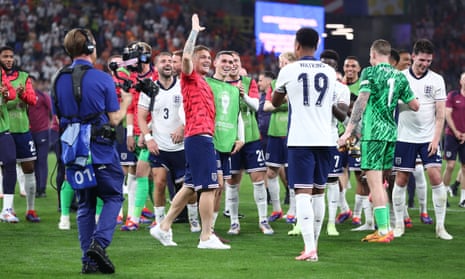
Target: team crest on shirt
x=177, y=100
x=429, y=91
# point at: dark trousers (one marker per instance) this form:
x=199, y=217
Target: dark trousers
x=42, y=142
x=8, y=159
x=109, y=188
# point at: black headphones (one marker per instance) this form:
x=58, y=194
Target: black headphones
x=88, y=47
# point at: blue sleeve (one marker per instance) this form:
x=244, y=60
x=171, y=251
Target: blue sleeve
x=111, y=97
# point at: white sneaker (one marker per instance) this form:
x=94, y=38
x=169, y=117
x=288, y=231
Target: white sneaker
x=234, y=229
x=443, y=234
x=165, y=238
x=265, y=227
x=213, y=243
x=8, y=216
x=399, y=231
x=195, y=226
x=364, y=227
x=64, y=223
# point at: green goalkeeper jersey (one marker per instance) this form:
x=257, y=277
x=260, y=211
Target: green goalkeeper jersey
x=386, y=86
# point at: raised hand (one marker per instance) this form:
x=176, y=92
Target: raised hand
x=195, y=23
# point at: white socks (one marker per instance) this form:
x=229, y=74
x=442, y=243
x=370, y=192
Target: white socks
x=319, y=207
x=358, y=206
x=273, y=188
x=291, y=210
x=20, y=179
x=368, y=209
x=304, y=210
x=332, y=194
x=193, y=212
x=420, y=182
x=8, y=201
x=259, y=194
x=343, y=205
x=398, y=203
x=159, y=213
x=132, y=186
x=30, y=188
x=214, y=217
x=232, y=199
x=439, y=202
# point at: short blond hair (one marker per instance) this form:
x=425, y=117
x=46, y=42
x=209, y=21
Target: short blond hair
x=286, y=58
x=382, y=47
x=289, y=55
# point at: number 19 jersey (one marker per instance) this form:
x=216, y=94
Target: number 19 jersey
x=386, y=86
x=310, y=87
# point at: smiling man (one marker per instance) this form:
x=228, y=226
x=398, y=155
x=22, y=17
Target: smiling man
x=419, y=134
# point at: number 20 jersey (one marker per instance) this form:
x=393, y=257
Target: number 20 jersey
x=310, y=87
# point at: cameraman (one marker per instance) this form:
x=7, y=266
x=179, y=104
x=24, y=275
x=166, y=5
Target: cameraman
x=122, y=78
x=97, y=105
x=141, y=70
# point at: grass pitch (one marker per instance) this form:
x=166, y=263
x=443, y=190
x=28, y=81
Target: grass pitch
x=42, y=251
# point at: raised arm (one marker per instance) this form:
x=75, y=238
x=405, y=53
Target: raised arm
x=188, y=52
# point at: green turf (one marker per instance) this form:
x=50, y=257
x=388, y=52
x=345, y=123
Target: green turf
x=43, y=251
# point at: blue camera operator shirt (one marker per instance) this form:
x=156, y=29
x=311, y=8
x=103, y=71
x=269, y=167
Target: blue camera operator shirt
x=98, y=98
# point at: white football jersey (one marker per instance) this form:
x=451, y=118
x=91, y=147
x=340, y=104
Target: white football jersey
x=418, y=127
x=310, y=87
x=166, y=115
x=342, y=92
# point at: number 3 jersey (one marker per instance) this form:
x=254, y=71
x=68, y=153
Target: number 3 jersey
x=386, y=86
x=310, y=87
x=167, y=115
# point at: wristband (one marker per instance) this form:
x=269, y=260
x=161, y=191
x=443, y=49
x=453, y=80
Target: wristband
x=148, y=137
x=130, y=130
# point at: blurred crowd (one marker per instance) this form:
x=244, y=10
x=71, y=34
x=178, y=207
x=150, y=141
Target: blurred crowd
x=447, y=23
x=35, y=29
